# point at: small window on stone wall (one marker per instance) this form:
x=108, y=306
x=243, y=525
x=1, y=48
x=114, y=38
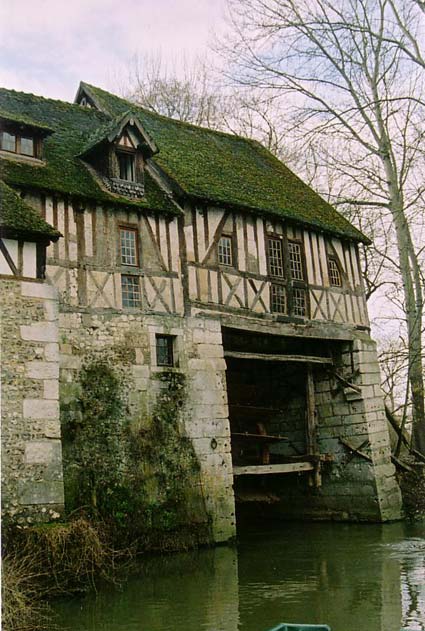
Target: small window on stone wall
x=165, y=350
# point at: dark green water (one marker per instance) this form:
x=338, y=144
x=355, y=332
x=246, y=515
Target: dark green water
x=354, y=578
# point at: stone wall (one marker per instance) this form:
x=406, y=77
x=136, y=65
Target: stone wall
x=128, y=343
x=356, y=487
x=32, y=484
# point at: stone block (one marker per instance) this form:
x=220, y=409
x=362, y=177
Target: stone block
x=43, y=452
x=51, y=389
x=41, y=409
x=51, y=310
x=52, y=429
x=41, y=492
x=210, y=351
x=40, y=332
x=42, y=370
x=51, y=352
x=38, y=290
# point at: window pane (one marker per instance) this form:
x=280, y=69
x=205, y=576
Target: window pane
x=334, y=273
x=225, y=251
x=278, y=299
x=164, y=350
x=295, y=261
x=8, y=141
x=126, y=163
x=128, y=244
x=27, y=146
x=299, y=304
x=130, y=291
x=275, y=257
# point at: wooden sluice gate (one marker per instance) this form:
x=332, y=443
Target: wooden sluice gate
x=252, y=441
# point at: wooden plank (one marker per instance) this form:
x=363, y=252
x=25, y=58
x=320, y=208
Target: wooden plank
x=311, y=414
x=259, y=437
x=293, y=467
x=279, y=358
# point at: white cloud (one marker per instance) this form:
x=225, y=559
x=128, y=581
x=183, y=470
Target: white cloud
x=47, y=46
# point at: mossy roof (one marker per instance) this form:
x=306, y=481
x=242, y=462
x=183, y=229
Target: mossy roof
x=21, y=119
x=63, y=171
x=228, y=169
x=17, y=216
x=207, y=165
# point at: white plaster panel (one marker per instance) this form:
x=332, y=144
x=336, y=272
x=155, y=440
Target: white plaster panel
x=29, y=263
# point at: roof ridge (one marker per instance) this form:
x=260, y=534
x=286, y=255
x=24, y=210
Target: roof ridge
x=181, y=123
x=44, y=99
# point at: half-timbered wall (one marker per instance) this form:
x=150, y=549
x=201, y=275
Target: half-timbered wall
x=245, y=285
x=85, y=264
x=18, y=258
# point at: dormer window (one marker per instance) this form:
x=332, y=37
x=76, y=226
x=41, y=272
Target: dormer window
x=126, y=163
x=21, y=144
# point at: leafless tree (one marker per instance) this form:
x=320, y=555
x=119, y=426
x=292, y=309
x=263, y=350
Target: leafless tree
x=352, y=76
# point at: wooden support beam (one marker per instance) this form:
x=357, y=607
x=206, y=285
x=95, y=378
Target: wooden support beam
x=278, y=358
x=356, y=450
x=311, y=427
x=293, y=467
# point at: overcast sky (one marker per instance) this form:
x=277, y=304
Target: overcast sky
x=48, y=46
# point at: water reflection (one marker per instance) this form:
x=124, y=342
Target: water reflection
x=350, y=577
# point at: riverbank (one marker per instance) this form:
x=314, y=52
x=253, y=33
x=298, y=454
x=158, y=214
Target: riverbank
x=51, y=560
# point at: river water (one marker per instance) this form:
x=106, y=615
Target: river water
x=351, y=577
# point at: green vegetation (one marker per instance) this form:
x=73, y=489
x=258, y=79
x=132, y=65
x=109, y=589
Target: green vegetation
x=227, y=169
x=63, y=172
x=141, y=480
x=207, y=165
x=18, y=217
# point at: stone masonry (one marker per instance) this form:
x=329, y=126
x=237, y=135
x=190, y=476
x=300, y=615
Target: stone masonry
x=32, y=481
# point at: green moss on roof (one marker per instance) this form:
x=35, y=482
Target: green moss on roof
x=207, y=165
x=227, y=169
x=23, y=120
x=63, y=171
x=19, y=217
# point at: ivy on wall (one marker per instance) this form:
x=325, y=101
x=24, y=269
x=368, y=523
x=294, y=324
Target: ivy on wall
x=142, y=479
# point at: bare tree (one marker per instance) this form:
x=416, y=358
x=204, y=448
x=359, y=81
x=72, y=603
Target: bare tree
x=351, y=73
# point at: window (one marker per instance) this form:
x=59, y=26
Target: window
x=27, y=146
x=15, y=143
x=8, y=142
x=295, y=260
x=287, y=272
x=278, y=298
x=130, y=290
x=299, y=302
x=225, y=250
x=126, y=166
x=275, y=257
x=129, y=246
x=335, y=278
x=165, y=350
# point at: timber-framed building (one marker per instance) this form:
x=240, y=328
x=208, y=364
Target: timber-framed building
x=162, y=246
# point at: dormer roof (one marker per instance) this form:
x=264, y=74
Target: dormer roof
x=113, y=130
x=63, y=171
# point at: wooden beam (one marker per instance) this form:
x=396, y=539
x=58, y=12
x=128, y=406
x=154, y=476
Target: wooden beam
x=260, y=437
x=293, y=467
x=278, y=358
x=354, y=449
x=311, y=414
